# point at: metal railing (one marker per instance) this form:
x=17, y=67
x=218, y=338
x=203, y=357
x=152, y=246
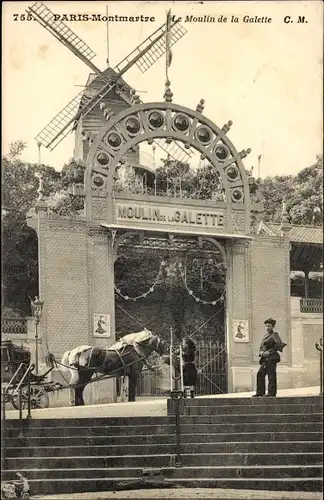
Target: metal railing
x=14, y=325
x=314, y=306
x=319, y=347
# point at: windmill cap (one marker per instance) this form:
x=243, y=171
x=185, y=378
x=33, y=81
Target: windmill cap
x=270, y=321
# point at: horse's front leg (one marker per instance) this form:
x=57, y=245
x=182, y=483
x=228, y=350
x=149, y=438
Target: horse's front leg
x=84, y=379
x=78, y=396
x=74, y=380
x=132, y=382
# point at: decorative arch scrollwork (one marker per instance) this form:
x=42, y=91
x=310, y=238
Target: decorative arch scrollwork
x=150, y=121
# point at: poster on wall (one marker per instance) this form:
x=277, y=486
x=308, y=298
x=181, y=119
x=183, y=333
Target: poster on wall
x=101, y=325
x=241, y=330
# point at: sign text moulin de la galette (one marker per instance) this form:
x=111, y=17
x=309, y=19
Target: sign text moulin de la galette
x=170, y=215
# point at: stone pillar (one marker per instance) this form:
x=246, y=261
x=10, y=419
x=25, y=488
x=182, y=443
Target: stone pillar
x=239, y=309
x=297, y=341
x=101, y=299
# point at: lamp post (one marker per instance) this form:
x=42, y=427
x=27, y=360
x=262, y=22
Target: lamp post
x=37, y=307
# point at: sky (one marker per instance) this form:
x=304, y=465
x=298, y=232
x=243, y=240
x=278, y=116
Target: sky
x=265, y=77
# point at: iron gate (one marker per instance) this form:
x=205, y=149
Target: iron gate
x=211, y=363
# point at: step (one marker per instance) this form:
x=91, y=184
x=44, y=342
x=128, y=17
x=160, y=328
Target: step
x=244, y=418
x=197, y=419
x=266, y=401
x=54, y=462
x=202, y=472
x=91, y=430
x=52, y=486
x=251, y=409
x=252, y=458
x=91, y=422
x=276, y=471
x=150, y=449
x=273, y=405
x=160, y=439
x=164, y=460
x=190, y=428
x=79, y=451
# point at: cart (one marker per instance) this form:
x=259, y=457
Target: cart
x=19, y=381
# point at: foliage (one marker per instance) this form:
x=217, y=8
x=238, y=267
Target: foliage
x=176, y=179
x=314, y=287
x=302, y=194
x=19, y=242
x=127, y=180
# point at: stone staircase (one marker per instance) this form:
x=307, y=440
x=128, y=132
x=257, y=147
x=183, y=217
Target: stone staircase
x=246, y=443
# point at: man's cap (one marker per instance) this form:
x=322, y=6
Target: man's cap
x=270, y=321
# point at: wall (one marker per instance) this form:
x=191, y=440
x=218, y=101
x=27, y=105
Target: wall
x=64, y=284
x=259, y=284
x=306, y=330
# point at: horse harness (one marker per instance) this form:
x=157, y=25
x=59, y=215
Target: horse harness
x=134, y=346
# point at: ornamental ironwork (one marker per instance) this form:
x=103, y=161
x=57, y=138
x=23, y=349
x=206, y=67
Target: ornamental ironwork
x=173, y=122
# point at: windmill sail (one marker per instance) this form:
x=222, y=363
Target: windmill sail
x=144, y=56
x=174, y=150
x=156, y=51
x=63, y=33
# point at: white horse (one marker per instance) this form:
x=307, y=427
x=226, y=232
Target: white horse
x=126, y=357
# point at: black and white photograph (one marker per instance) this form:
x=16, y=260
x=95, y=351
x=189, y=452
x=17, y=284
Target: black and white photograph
x=162, y=250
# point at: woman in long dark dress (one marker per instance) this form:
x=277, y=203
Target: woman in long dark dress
x=189, y=368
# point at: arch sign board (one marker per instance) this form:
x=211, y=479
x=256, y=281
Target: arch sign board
x=146, y=122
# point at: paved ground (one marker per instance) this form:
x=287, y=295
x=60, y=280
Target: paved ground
x=197, y=493
x=152, y=407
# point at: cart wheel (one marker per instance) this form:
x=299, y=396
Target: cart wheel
x=38, y=399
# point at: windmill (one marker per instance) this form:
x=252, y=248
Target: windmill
x=93, y=97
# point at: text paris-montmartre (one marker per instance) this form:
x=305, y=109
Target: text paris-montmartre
x=100, y=17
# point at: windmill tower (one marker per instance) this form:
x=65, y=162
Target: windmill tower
x=106, y=93
x=117, y=99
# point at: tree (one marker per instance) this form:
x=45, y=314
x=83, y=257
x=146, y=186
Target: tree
x=302, y=194
x=19, y=242
x=306, y=206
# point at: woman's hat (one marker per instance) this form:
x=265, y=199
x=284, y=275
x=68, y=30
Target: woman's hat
x=270, y=321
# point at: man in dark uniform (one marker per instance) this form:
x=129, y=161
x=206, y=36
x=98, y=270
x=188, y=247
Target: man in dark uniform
x=269, y=357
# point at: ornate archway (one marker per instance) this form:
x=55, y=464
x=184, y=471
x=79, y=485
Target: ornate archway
x=150, y=121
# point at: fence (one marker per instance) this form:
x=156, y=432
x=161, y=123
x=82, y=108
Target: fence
x=14, y=326
x=211, y=363
x=314, y=306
